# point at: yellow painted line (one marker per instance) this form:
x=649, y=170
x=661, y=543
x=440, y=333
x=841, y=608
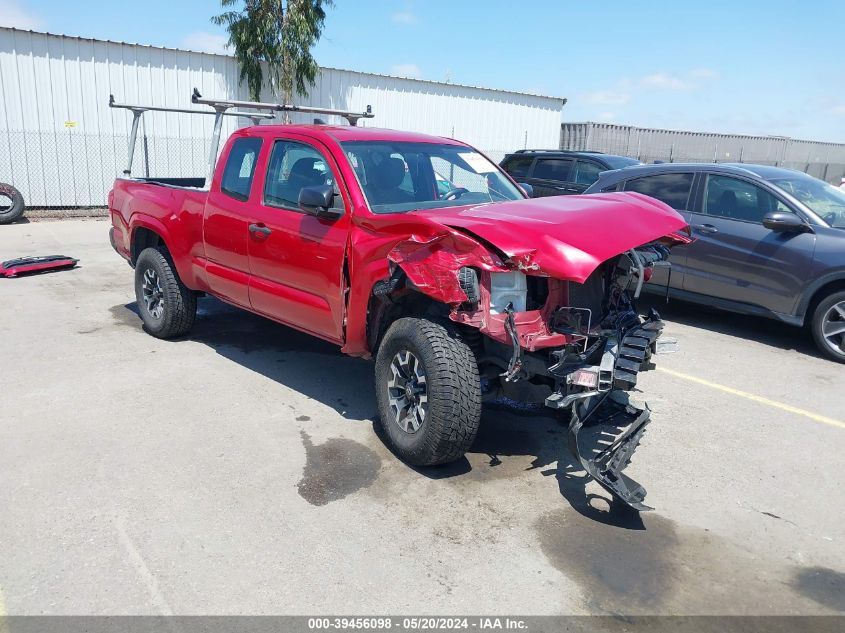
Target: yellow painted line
x=755, y=398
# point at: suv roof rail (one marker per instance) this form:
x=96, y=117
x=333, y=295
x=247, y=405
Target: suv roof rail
x=558, y=151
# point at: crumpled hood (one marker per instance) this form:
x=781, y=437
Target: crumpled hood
x=566, y=237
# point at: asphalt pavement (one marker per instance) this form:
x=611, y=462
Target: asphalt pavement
x=238, y=471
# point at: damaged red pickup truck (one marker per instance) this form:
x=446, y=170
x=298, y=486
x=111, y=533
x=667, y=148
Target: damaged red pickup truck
x=420, y=252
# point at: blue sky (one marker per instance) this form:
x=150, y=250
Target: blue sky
x=771, y=67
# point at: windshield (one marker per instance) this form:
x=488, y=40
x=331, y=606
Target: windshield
x=399, y=177
x=825, y=200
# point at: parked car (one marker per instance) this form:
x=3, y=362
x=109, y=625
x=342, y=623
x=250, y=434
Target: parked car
x=474, y=292
x=560, y=173
x=769, y=242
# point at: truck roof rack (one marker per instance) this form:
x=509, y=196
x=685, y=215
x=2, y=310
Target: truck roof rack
x=255, y=116
x=222, y=105
x=220, y=108
x=138, y=112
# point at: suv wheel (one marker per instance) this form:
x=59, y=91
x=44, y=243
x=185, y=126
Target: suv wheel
x=828, y=326
x=428, y=392
x=168, y=307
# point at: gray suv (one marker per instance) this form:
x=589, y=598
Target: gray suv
x=769, y=242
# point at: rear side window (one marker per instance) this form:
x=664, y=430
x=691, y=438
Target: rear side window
x=673, y=189
x=552, y=169
x=518, y=166
x=587, y=173
x=240, y=168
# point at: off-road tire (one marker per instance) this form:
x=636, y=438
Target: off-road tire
x=10, y=195
x=453, y=386
x=816, y=323
x=180, y=302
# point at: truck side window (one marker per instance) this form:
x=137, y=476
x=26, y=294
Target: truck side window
x=240, y=168
x=293, y=166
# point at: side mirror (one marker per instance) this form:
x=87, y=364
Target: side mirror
x=785, y=222
x=317, y=201
x=528, y=189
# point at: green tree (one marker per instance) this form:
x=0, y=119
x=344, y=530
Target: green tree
x=279, y=33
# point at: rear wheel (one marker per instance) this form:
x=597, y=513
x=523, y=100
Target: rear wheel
x=428, y=392
x=167, y=307
x=828, y=326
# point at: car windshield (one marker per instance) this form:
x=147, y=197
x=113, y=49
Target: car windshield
x=397, y=176
x=827, y=201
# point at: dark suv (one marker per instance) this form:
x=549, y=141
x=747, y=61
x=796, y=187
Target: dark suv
x=769, y=241
x=559, y=173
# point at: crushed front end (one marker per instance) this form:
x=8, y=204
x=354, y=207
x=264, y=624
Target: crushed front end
x=577, y=348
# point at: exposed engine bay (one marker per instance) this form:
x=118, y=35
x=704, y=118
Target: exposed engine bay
x=545, y=298
x=605, y=344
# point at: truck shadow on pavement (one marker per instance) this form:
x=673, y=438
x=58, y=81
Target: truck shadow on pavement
x=319, y=371
x=624, y=563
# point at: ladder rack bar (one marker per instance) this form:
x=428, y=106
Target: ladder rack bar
x=140, y=108
x=222, y=105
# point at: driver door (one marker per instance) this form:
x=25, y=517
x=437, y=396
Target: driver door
x=296, y=259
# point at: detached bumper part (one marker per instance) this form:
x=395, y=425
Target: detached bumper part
x=635, y=351
x=26, y=265
x=604, y=432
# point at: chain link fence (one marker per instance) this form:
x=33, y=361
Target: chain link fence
x=825, y=161
x=67, y=169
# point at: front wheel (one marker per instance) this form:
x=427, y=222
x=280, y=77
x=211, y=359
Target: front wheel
x=428, y=392
x=167, y=307
x=828, y=326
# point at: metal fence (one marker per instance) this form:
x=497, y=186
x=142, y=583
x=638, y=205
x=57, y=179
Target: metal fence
x=59, y=169
x=822, y=160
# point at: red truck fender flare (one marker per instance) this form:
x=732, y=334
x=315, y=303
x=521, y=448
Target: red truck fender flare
x=143, y=221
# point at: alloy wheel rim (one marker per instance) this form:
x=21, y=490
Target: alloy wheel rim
x=153, y=295
x=407, y=391
x=833, y=327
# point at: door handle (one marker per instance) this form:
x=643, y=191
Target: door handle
x=259, y=229
x=706, y=228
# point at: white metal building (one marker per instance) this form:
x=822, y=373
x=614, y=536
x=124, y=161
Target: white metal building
x=61, y=144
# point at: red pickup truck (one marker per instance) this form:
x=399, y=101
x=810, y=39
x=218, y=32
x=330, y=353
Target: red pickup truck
x=420, y=252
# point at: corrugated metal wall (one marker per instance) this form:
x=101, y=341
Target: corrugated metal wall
x=61, y=144
x=819, y=159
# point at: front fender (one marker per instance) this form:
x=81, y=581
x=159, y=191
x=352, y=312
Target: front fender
x=814, y=287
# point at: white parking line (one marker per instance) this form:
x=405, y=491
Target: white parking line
x=755, y=398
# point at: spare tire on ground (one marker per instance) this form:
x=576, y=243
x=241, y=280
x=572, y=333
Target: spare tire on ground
x=11, y=204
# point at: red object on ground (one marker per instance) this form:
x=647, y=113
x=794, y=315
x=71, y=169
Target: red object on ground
x=28, y=265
